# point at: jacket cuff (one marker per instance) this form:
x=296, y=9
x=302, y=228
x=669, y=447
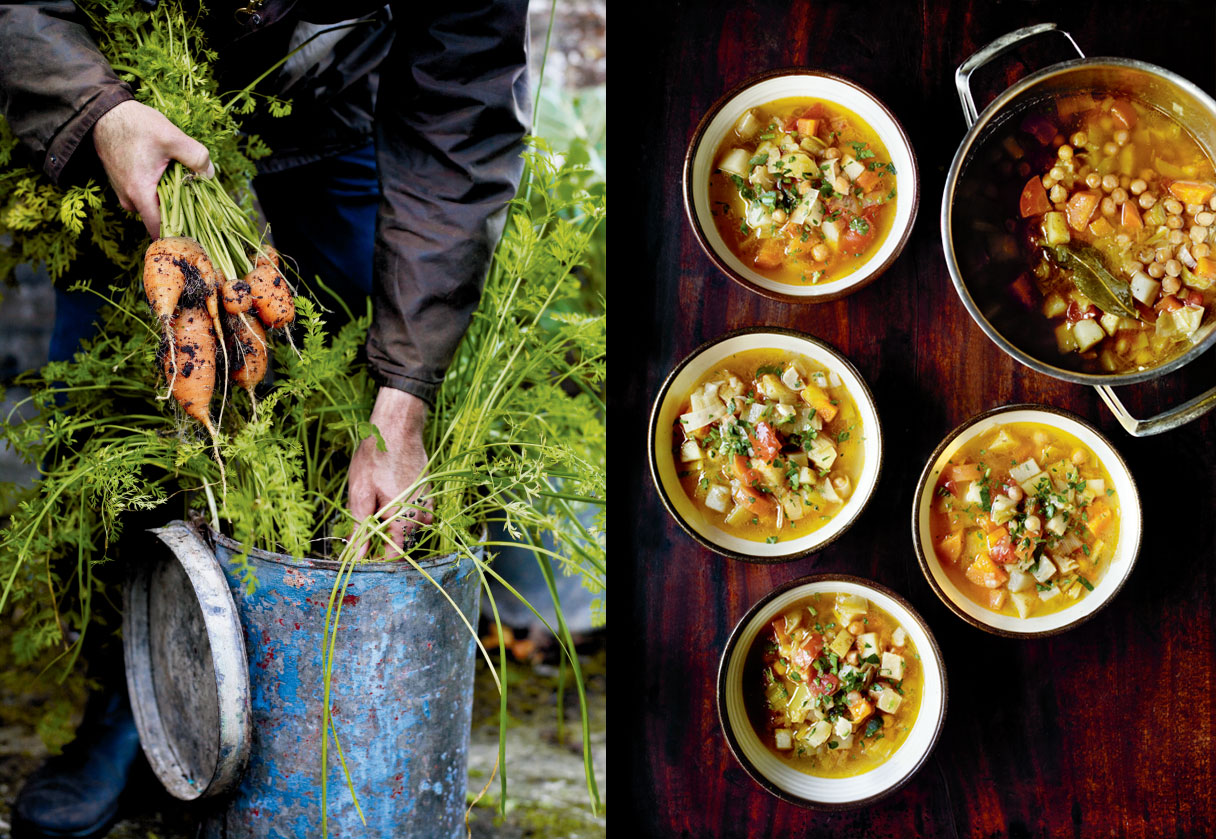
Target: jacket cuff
x=426, y=391
x=69, y=137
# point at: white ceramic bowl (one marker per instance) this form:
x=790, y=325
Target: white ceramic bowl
x=666, y=409
x=788, y=783
x=1130, y=524
x=783, y=84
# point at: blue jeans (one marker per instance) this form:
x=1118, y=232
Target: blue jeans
x=322, y=217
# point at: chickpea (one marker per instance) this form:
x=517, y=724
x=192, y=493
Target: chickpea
x=1080, y=138
x=1145, y=255
x=1205, y=219
x=1138, y=186
x=1065, y=152
x=1201, y=250
x=831, y=154
x=1093, y=180
x=1170, y=285
x=1078, y=457
x=1212, y=202
x=1156, y=270
x=1109, y=182
x=1058, y=194
x=820, y=253
x=1173, y=268
x=1164, y=254
x=1133, y=267
x=1110, y=149
x=1173, y=206
x=1034, y=524
x=1014, y=493
x=1176, y=237
x=1198, y=234
x=856, y=628
x=1174, y=222
x=1194, y=209
x=852, y=658
x=779, y=216
x=1108, y=206
x=1122, y=136
x=1123, y=240
x=1147, y=200
x=1148, y=174
x=1056, y=173
x=1049, y=181
x=1119, y=194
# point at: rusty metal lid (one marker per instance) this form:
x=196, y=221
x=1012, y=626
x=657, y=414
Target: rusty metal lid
x=186, y=666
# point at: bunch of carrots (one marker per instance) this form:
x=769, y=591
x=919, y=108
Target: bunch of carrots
x=204, y=308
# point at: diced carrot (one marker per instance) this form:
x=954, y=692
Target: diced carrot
x=983, y=572
x=1169, y=303
x=1131, y=216
x=771, y=254
x=1206, y=266
x=807, y=127
x=962, y=472
x=1192, y=192
x=1034, y=199
x=982, y=520
x=765, y=442
x=1038, y=126
x=996, y=597
x=1023, y=290
x=950, y=547
x=1100, y=517
x=820, y=401
x=1123, y=111
x=867, y=180
x=859, y=710
x=749, y=495
x=1101, y=227
x=1081, y=209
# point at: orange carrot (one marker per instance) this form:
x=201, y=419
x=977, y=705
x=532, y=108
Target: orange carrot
x=250, y=352
x=194, y=378
x=267, y=290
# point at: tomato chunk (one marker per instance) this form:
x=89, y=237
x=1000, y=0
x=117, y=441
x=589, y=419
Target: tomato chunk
x=1034, y=199
x=1124, y=113
x=824, y=684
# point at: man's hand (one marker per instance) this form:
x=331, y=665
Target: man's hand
x=377, y=477
x=135, y=143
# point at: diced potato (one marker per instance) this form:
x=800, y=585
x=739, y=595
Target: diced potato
x=774, y=390
x=1003, y=509
x=1144, y=288
x=799, y=705
x=843, y=743
x=843, y=727
x=1045, y=569
x=851, y=606
x=819, y=734
x=735, y=163
x=690, y=451
x=899, y=637
x=853, y=169
x=1110, y=323
x=1019, y=580
x=1021, y=471
x=828, y=491
x=841, y=644
x=1055, y=228
x=791, y=377
x=784, y=414
x=748, y=125
x=822, y=453
x=1094, y=487
x=1002, y=441
x=831, y=231
x=867, y=644
x=1054, y=306
x=718, y=498
x=1057, y=525
x=889, y=701
x=1031, y=485
x=996, y=597
x=830, y=170
x=783, y=739
x=1023, y=602
x=1065, y=564
x=791, y=503
x=1050, y=593
x=1087, y=333
x=1064, y=339
x=892, y=667
x=739, y=515
x=973, y=493
x=805, y=476
x=797, y=165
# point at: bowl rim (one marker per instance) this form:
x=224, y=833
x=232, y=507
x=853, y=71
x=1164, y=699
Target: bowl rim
x=921, y=553
x=732, y=645
x=652, y=431
x=703, y=240
x=946, y=225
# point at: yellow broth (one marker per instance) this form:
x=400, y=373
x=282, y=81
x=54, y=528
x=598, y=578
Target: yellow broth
x=803, y=191
x=830, y=658
x=797, y=473
x=992, y=522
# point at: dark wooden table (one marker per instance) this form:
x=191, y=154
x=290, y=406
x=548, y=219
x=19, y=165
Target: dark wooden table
x=1102, y=731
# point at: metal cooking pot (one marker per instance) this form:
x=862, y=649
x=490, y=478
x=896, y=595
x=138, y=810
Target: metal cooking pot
x=981, y=285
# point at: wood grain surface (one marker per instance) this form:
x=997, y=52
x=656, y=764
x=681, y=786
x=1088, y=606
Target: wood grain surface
x=1105, y=730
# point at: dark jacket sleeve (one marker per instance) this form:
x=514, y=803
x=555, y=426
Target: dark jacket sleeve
x=451, y=114
x=54, y=84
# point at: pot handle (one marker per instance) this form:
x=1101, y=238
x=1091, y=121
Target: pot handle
x=1002, y=45
x=1165, y=421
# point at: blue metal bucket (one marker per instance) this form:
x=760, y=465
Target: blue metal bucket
x=401, y=699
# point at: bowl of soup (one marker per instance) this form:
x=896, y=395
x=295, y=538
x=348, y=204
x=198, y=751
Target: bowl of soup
x=801, y=185
x=1026, y=521
x=765, y=444
x=831, y=691
x=1079, y=220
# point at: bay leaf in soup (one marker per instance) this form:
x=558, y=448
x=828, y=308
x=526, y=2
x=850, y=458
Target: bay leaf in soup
x=1089, y=274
